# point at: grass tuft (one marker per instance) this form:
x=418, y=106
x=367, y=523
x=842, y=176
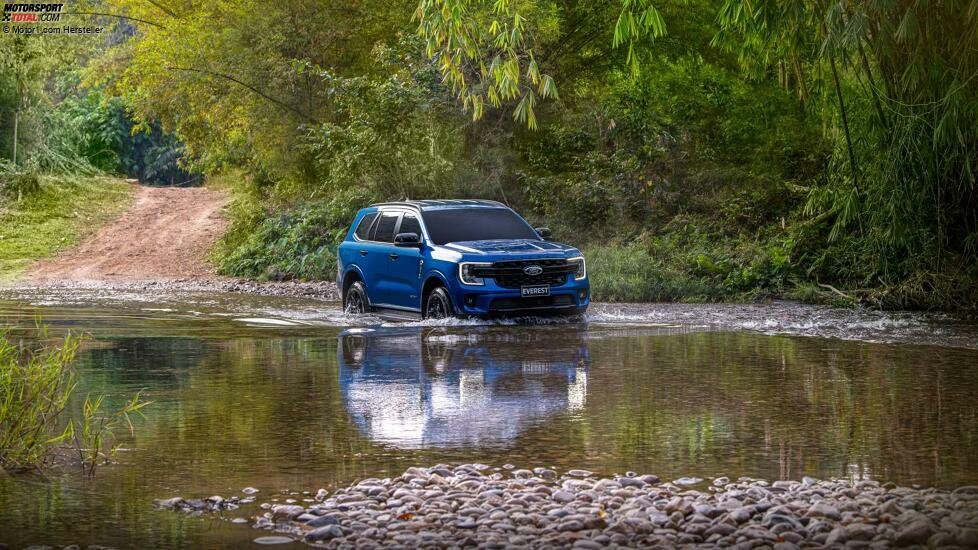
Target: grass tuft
x=57, y=213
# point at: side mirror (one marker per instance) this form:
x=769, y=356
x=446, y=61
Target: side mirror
x=544, y=233
x=407, y=239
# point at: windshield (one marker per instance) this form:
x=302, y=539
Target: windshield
x=453, y=225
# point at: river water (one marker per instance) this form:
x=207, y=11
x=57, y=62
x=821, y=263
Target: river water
x=287, y=394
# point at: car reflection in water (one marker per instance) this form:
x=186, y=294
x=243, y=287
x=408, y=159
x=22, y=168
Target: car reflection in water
x=429, y=387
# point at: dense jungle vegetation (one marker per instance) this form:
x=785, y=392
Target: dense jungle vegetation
x=696, y=150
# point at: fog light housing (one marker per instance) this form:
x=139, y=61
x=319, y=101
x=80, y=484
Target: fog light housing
x=470, y=300
x=582, y=293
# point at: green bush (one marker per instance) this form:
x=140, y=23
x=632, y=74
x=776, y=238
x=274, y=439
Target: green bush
x=293, y=244
x=686, y=262
x=35, y=384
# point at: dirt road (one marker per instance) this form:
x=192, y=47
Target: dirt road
x=165, y=235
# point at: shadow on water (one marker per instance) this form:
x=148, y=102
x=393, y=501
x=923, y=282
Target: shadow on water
x=300, y=407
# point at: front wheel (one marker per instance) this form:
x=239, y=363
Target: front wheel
x=439, y=305
x=355, y=301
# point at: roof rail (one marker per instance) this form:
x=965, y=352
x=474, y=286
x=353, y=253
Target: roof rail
x=406, y=204
x=422, y=204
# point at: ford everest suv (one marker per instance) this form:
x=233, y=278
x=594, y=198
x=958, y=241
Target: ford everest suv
x=444, y=258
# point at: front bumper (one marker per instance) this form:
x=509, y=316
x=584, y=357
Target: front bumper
x=490, y=300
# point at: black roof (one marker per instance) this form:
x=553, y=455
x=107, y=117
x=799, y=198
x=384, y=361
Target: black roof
x=443, y=203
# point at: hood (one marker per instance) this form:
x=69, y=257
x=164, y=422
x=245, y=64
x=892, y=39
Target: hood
x=510, y=246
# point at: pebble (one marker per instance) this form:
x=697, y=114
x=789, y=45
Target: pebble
x=481, y=506
x=274, y=540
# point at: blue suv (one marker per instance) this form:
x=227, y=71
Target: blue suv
x=443, y=258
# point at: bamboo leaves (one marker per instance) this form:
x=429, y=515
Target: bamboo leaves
x=638, y=19
x=462, y=35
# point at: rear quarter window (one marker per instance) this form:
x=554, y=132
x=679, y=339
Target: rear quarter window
x=363, y=228
x=384, y=231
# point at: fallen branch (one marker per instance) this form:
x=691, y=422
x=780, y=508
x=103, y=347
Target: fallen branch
x=839, y=292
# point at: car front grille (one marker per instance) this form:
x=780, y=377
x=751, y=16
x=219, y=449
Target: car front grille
x=509, y=274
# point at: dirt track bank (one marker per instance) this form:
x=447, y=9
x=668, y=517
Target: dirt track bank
x=165, y=235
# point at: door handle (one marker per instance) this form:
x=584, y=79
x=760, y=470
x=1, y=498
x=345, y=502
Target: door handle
x=363, y=252
x=392, y=256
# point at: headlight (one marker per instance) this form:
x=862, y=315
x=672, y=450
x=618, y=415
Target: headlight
x=581, y=271
x=466, y=273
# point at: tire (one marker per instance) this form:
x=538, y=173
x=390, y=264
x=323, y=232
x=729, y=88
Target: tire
x=355, y=300
x=439, y=304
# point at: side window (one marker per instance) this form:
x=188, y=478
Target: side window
x=385, y=227
x=410, y=224
x=363, y=230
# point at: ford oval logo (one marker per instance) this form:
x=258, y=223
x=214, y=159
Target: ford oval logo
x=533, y=270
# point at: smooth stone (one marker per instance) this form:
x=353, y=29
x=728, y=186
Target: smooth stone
x=287, y=511
x=860, y=531
x=572, y=525
x=631, y=482
x=821, y=509
x=274, y=540
x=915, y=532
x=327, y=532
x=837, y=536
x=687, y=481
x=580, y=473
x=321, y=521
x=563, y=496
x=967, y=537
x=169, y=503
x=249, y=490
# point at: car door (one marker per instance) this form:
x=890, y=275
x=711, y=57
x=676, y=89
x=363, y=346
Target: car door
x=380, y=251
x=405, y=267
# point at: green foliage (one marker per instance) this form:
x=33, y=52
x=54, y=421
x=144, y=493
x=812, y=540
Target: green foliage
x=484, y=51
x=237, y=97
x=651, y=150
x=687, y=263
x=394, y=137
x=901, y=99
x=299, y=243
x=96, y=129
x=828, y=144
x=95, y=431
x=35, y=384
x=56, y=213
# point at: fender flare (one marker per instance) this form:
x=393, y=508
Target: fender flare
x=434, y=274
x=352, y=269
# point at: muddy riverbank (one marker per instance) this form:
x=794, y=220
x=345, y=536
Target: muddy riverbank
x=474, y=505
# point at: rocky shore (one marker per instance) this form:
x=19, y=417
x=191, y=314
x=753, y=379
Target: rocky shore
x=480, y=506
x=321, y=290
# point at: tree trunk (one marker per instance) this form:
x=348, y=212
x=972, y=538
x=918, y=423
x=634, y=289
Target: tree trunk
x=13, y=157
x=845, y=125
